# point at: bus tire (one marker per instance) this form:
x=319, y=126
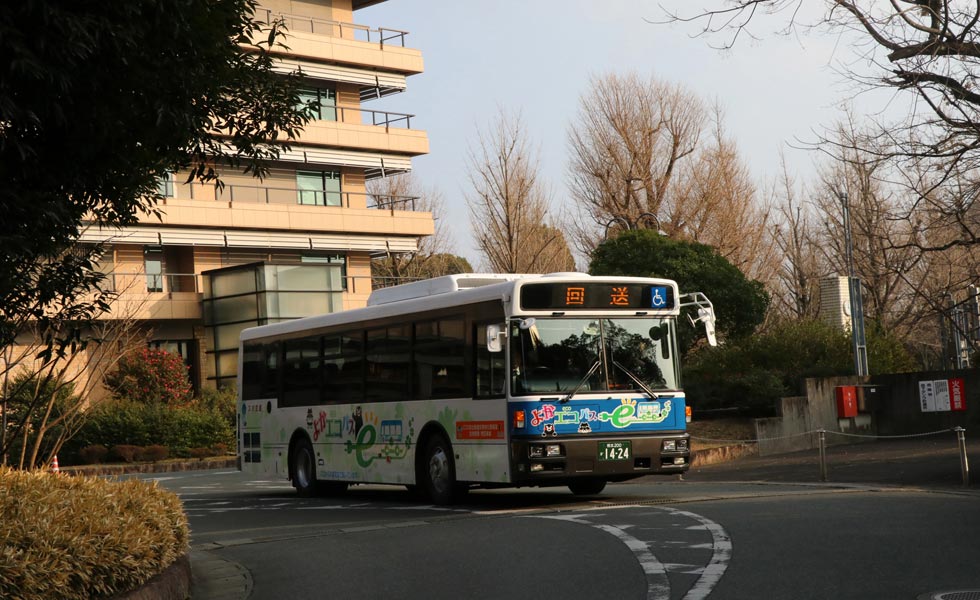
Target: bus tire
x=437, y=477
x=587, y=487
x=302, y=467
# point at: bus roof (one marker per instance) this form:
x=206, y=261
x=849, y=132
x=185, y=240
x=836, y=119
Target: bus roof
x=433, y=294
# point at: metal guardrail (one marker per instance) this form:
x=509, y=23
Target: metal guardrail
x=318, y=26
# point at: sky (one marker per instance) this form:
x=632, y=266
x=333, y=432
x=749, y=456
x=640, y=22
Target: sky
x=536, y=57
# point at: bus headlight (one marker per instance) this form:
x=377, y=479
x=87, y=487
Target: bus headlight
x=544, y=450
x=670, y=446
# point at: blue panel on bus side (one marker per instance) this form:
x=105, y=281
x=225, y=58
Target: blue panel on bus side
x=608, y=416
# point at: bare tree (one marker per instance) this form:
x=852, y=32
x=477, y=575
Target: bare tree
x=646, y=154
x=509, y=203
x=46, y=393
x=716, y=204
x=796, y=288
x=890, y=269
x=927, y=51
x=432, y=258
x=627, y=142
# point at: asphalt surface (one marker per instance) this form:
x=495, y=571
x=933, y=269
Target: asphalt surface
x=925, y=462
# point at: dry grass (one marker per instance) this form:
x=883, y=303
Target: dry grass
x=720, y=432
x=79, y=537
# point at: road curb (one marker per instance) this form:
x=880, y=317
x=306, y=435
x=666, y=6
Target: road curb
x=215, y=578
x=174, y=583
x=167, y=467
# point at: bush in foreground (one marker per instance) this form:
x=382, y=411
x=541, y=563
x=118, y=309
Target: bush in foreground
x=79, y=538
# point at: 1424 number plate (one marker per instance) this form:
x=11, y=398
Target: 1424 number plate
x=615, y=450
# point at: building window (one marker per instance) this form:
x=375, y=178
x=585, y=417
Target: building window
x=321, y=103
x=165, y=186
x=318, y=188
x=153, y=265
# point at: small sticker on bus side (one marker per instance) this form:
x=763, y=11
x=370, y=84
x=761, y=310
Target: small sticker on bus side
x=479, y=430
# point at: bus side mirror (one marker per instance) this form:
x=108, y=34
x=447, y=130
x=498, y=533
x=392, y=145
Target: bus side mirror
x=495, y=338
x=707, y=316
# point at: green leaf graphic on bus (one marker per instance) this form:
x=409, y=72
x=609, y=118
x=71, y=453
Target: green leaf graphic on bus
x=629, y=413
x=395, y=442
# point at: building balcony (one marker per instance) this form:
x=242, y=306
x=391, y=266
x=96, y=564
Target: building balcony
x=324, y=40
x=371, y=131
x=144, y=297
x=261, y=209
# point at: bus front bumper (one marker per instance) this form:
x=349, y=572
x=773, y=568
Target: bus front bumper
x=551, y=460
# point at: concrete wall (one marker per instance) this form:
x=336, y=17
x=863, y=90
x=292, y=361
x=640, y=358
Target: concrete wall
x=887, y=404
x=895, y=403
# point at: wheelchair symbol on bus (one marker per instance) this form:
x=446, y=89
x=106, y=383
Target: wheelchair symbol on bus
x=659, y=299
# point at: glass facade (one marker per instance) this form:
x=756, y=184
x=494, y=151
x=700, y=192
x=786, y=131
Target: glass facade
x=236, y=298
x=320, y=102
x=318, y=188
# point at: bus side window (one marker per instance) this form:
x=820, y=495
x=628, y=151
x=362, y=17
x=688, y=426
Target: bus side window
x=270, y=382
x=252, y=370
x=491, y=372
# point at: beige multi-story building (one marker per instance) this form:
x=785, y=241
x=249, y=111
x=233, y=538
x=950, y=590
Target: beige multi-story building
x=300, y=241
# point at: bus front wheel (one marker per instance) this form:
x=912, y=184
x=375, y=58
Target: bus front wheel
x=438, y=472
x=302, y=468
x=587, y=487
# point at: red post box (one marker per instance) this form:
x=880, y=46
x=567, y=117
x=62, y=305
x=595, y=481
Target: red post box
x=847, y=405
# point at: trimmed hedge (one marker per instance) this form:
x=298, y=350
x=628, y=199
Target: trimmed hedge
x=128, y=423
x=80, y=537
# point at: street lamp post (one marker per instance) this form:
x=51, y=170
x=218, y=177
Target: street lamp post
x=854, y=291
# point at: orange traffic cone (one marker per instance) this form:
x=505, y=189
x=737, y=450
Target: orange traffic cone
x=54, y=465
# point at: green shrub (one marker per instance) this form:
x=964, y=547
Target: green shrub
x=178, y=428
x=30, y=400
x=224, y=401
x=78, y=537
x=151, y=376
x=754, y=372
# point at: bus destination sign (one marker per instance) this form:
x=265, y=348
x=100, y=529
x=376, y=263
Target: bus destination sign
x=591, y=295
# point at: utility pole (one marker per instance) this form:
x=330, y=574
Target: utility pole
x=854, y=290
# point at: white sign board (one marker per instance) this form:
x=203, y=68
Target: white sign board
x=940, y=389
x=927, y=397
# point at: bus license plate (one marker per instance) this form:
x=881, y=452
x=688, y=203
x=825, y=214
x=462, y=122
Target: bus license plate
x=614, y=450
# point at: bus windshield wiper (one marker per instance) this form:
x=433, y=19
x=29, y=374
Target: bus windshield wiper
x=653, y=395
x=592, y=370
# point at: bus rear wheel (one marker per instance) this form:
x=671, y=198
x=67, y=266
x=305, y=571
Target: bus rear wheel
x=302, y=468
x=587, y=487
x=437, y=473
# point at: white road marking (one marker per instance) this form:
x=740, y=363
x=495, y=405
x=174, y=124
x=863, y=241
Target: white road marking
x=721, y=555
x=658, y=584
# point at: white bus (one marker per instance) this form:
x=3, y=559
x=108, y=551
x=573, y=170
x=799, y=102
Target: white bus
x=473, y=380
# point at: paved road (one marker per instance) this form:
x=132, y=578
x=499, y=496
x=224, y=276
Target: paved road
x=932, y=462
x=654, y=539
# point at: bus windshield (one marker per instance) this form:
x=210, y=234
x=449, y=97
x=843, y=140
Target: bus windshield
x=550, y=355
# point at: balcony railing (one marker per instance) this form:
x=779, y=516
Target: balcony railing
x=378, y=118
x=319, y=26
x=141, y=282
x=291, y=195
